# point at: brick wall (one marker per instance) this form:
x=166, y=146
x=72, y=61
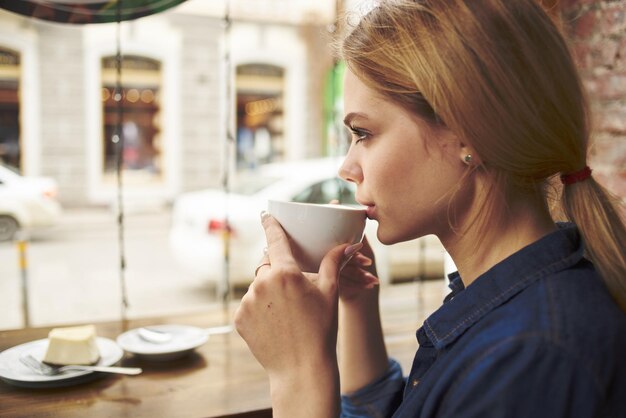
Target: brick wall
x=598, y=32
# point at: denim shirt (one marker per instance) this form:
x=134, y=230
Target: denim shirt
x=538, y=335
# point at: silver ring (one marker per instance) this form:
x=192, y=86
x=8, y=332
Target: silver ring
x=256, y=271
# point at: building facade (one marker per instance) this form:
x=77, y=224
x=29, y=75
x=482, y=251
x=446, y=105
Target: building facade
x=199, y=95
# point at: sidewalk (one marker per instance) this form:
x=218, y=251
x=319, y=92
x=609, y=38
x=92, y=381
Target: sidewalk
x=73, y=271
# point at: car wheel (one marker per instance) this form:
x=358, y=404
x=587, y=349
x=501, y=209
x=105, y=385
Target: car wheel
x=8, y=227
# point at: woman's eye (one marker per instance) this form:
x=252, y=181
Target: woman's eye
x=359, y=134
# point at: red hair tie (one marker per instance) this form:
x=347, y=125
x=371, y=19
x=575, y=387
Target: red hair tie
x=576, y=176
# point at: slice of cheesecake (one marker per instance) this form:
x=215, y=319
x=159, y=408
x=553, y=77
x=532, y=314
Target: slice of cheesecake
x=72, y=345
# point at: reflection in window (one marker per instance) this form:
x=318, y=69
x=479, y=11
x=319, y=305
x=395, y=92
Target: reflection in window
x=141, y=155
x=10, y=152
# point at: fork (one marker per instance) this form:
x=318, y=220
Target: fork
x=47, y=370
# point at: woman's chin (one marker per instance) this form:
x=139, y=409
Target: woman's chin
x=386, y=239
x=391, y=237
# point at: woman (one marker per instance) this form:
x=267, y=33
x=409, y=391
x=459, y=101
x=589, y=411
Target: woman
x=463, y=114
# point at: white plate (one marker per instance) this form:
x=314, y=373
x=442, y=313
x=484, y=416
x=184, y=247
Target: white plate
x=184, y=340
x=14, y=372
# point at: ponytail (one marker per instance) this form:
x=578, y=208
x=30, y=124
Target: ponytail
x=595, y=212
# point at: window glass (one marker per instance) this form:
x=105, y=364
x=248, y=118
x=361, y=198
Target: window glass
x=10, y=152
x=162, y=236
x=259, y=115
x=140, y=118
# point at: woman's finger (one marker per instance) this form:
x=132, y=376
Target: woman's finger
x=333, y=261
x=262, y=265
x=356, y=275
x=361, y=260
x=264, y=262
x=278, y=248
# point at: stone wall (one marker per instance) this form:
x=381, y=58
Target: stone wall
x=598, y=33
x=62, y=100
x=202, y=79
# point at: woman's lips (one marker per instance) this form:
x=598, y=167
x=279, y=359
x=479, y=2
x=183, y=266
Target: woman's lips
x=371, y=212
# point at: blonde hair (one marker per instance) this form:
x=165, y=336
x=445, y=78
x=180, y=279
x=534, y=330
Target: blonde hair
x=499, y=74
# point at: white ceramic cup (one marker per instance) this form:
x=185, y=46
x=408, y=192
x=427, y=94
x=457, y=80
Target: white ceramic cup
x=315, y=229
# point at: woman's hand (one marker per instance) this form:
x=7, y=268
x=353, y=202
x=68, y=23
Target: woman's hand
x=358, y=277
x=289, y=321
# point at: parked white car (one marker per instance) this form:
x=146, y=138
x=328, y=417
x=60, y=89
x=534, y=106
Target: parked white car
x=26, y=203
x=200, y=220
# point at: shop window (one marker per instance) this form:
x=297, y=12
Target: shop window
x=141, y=116
x=10, y=150
x=259, y=115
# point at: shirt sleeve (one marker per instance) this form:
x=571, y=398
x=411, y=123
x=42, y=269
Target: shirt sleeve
x=377, y=399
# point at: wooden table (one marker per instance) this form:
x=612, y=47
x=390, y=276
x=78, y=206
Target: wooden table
x=219, y=379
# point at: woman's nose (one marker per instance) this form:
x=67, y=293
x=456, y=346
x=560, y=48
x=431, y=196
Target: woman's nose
x=350, y=171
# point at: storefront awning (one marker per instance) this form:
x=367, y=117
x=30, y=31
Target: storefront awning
x=87, y=11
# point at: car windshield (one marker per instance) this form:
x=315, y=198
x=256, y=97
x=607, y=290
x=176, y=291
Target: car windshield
x=250, y=184
x=10, y=168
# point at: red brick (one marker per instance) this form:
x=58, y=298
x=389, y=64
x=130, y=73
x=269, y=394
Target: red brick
x=613, y=180
x=591, y=85
x=598, y=28
x=611, y=121
x=609, y=151
x=607, y=86
x=608, y=161
x=620, y=62
x=582, y=53
x=567, y=5
x=585, y=25
x=604, y=52
x=612, y=18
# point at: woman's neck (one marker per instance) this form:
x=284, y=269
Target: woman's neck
x=477, y=249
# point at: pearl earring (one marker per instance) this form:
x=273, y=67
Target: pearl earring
x=468, y=158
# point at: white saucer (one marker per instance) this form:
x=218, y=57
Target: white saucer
x=184, y=340
x=14, y=372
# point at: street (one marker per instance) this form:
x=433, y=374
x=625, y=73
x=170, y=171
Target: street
x=73, y=274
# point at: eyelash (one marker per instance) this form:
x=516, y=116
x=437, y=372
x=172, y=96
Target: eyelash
x=360, y=134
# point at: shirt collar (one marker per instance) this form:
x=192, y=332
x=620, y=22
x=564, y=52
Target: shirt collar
x=456, y=285
x=465, y=306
